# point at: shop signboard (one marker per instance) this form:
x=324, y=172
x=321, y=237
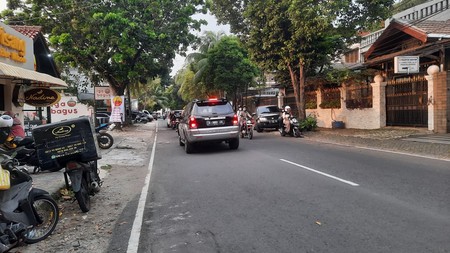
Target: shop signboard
x=68, y=107
x=117, y=109
x=16, y=49
x=41, y=97
x=102, y=92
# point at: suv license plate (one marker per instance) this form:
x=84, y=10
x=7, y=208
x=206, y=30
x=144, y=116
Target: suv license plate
x=215, y=122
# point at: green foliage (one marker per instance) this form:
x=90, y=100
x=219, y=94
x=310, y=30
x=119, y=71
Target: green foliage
x=311, y=105
x=298, y=37
x=229, y=68
x=120, y=42
x=150, y=95
x=221, y=65
x=309, y=123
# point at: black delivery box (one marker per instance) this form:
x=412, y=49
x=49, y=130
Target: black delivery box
x=60, y=142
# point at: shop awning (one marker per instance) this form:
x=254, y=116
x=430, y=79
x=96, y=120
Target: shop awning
x=36, y=78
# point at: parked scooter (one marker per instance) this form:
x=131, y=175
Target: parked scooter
x=140, y=117
x=104, y=139
x=294, y=129
x=27, y=214
x=84, y=181
x=23, y=150
x=72, y=145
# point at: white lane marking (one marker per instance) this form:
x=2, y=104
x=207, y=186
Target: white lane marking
x=133, y=242
x=321, y=173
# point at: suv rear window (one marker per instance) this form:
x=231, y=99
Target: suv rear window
x=212, y=108
x=268, y=109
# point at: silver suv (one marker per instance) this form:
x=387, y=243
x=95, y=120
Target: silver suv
x=211, y=120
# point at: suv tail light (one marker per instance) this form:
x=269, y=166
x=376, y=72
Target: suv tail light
x=235, y=120
x=192, y=123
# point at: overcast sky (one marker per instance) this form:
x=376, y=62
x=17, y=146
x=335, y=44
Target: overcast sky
x=212, y=26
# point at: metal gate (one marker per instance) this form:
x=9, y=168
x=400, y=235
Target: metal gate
x=407, y=102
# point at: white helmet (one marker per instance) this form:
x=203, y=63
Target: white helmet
x=6, y=121
x=287, y=108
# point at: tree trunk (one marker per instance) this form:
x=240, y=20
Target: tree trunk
x=301, y=97
x=298, y=83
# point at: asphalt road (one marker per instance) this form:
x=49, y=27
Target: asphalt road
x=278, y=194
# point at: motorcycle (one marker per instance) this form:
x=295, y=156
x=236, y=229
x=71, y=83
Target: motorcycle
x=27, y=214
x=175, y=123
x=84, y=181
x=247, y=128
x=72, y=145
x=104, y=139
x=23, y=150
x=141, y=117
x=294, y=129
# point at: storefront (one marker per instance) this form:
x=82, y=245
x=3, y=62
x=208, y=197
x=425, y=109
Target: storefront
x=18, y=76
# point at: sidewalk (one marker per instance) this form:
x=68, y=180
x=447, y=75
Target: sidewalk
x=129, y=149
x=415, y=141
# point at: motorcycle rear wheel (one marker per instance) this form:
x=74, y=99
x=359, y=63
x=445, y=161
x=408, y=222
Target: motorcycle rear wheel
x=82, y=196
x=297, y=133
x=105, y=140
x=46, y=208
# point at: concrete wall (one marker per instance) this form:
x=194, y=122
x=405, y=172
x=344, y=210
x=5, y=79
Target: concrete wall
x=367, y=118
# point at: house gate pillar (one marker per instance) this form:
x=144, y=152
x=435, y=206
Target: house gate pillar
x=433, y=69
x=379, y=100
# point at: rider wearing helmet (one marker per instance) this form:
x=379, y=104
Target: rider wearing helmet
x=286, y=116
x=243, y=116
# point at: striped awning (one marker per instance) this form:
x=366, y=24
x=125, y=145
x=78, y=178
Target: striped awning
x=36, y=78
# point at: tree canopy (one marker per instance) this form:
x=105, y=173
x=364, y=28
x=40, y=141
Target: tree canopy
x=121, y=42
x=296, y=37
x=230, y=68
x=221, y=66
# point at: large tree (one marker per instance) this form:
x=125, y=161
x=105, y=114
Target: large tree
x=296, y=37
x=121, y=42
x=229, y=69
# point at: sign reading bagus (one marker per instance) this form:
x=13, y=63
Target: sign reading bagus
x=406, y=64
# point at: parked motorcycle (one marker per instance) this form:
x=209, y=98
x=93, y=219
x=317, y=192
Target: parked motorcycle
x=140, y=117
x=294, y=129
x=72, y=145
x=84, y=181
x=104, y=139
x=27, y=214
x=247, y=129
x=23, y=150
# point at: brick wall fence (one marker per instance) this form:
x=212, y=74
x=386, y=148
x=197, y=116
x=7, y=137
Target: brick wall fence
x=375, y=116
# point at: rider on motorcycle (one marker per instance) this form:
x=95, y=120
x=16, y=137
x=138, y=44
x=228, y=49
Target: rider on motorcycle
x=286, y=115
x=243, y=116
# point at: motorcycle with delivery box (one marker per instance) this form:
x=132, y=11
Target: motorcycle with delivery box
x=71, y=144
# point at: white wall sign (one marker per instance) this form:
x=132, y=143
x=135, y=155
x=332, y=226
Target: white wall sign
x=68, y=108
x=406, y=64
x=102, y=92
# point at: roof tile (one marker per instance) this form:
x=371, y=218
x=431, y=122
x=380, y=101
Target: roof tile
x=30, y=31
